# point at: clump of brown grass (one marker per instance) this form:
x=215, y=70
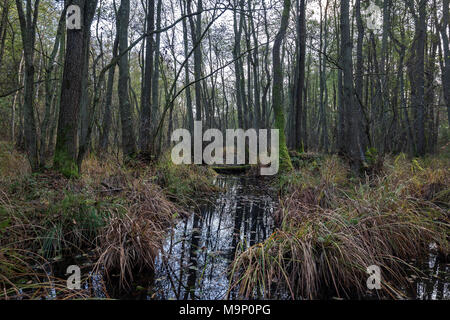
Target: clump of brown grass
x=331, y=231
x=131, y=242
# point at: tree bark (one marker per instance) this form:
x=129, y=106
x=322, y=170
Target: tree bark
x=196, y=33
x=155, y=80
x=416, y=66
x=237, y=68
x=49, y=90
x=299, y=82
x=66, y=151
x=107, y=117
x=446, y=51
x=277, y=89
x=353, y=148
x=146, y=108
x=126, y=115
x=28, y=21
x=187, y=80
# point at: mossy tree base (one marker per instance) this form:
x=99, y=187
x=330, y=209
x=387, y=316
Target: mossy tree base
x=64, y=164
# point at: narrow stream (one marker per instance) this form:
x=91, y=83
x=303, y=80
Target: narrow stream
x=435, y=284
x=196, y=258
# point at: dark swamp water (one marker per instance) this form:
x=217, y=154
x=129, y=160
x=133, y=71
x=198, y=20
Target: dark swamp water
x=198, y=252
x=197, y=256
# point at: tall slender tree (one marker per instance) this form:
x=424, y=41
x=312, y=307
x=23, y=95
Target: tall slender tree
x=126, y=115
x=445, y=34
x=277, y=89
x=28, y=23
x=145, y=137
x=353, y=150
x=300, y=140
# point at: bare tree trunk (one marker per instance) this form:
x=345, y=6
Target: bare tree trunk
x=351, y=115
x=146, y=108
x=238, y=25
x=277, y=89
x=384, y=77
x=446, y=51
x=187, y=80
x=16, y=96
x=49, y=90
x=56, y=107
x=126, y=115
x=3, y=28
x=323, y=83
x=299, y=82
x=359, y=79
x=416, y=72
x=66, y=151
x=155, y=80
x=196, y=33
x=256, y=77
x=28, y=20
x=107, y=117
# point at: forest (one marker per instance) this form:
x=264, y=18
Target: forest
x=353, y=97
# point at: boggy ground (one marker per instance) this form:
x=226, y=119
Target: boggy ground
x=114, y=219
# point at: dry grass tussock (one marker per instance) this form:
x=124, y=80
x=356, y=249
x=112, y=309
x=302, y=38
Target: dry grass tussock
x=131, y=242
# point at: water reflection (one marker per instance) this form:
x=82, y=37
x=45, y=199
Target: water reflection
x=196, y=258
x=435, y=285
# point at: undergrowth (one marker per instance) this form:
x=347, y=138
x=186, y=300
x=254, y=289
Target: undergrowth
x=185, y=183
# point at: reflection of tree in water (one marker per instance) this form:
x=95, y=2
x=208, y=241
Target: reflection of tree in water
x=193, y=259
x=199, y=252
x=435, y=285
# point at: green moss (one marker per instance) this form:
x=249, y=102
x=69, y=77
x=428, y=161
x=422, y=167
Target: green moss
x=65, y=164
x=285, y=158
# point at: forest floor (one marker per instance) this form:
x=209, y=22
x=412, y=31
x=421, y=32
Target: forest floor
x=114, y=219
